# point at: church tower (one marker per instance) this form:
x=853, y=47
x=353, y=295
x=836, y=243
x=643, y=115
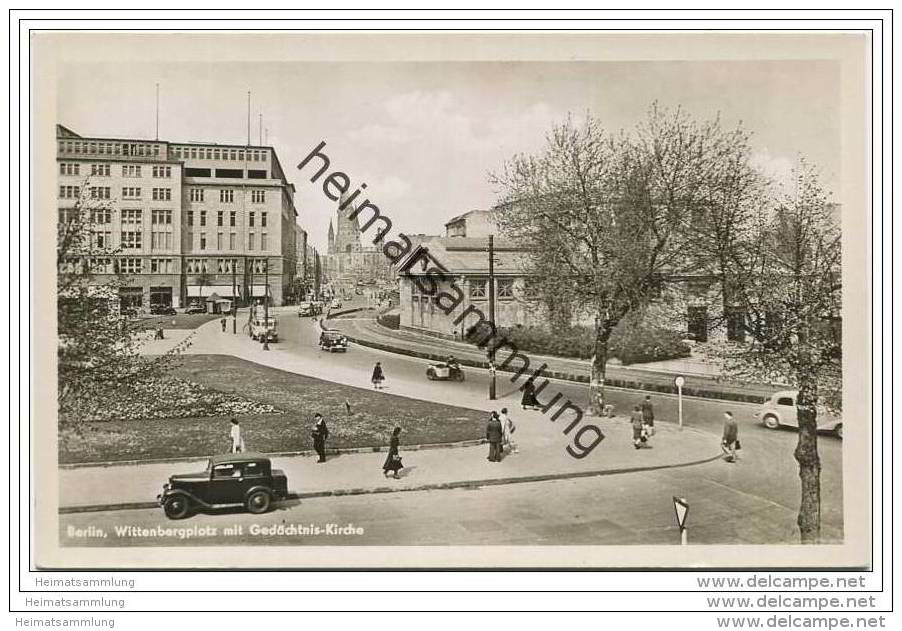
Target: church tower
x=347, y=230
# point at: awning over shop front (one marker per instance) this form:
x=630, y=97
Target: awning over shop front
x=205, y=291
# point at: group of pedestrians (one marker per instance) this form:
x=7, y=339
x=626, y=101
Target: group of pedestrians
x=642, y=418
x=499, y=434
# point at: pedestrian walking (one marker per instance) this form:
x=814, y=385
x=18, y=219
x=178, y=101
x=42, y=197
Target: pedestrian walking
x=378, y=376
x=529, y=396
x=648, y=415
x=507, y=430
x=159, y=333
x=393, y=462
x=320, y=434
x=222, y=322
x=494, y=433
x=639, y=437
x=730, y=441
x=236, y=438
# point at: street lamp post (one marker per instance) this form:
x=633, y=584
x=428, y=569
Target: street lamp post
x=491, y=352
x=234, y=298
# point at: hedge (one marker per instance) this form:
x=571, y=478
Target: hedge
x=631, y=343
x=390, y=320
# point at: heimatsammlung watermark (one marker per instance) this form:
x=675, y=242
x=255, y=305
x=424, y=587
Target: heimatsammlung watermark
x=337, y=184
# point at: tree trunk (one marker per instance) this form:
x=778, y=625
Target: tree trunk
x=806, y=455
x=599, y=364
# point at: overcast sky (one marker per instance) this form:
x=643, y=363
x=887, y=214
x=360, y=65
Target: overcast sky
x=423, y=136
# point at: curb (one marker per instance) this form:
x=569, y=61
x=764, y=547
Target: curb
x=627, y=384
x=277, y=454
x=434, y=486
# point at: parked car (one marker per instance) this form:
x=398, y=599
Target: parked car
x=268, y=327
x=162, y=310
x=780, y=411
x=306, y=309
x=196, y=307
x=333, y=341
x=246, y=479
x=335, y=304
x=443, y=371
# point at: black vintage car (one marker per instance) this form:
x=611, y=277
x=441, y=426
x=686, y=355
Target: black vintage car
x=162, y=310
x=332, y=341
x=246, y=479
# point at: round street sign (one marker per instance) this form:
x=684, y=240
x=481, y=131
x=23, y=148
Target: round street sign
x=679, y=381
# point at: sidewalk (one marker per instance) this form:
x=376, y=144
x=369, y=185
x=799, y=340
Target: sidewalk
x=362, y=328
x=101, y=487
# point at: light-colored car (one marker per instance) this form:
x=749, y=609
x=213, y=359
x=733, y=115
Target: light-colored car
x=780, y=411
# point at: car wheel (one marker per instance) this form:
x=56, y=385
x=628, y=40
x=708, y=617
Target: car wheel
x=771, y=422
x=177, y=507
x=430, y=375
x=258, y=502
x=837, y=431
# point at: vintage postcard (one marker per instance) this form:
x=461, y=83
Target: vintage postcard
x=451, y=300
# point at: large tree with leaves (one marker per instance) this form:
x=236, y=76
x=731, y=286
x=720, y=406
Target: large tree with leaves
x=98, y=347
x=786, y=275
x=604, y=215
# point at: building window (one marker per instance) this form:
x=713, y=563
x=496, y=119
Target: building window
x=69, y=192
x=128, y=265
x=505, y=287
x=101, y=216
x=735, y=324
x=162, y=194
x=233, y=240
x=131, y=240
x=262, y=220
x=70, y=168
x=102, y=265
x=697, y=323
x=100, y=170
x=226, y=196
x=250, y=219
x=215, y=154
x=203, y=240
x=161, y=217
x=161, y=240
x=190, y=217
x=258, y=197
x=250, y=241
x=219, y=218
x=103, y=239
x=219, y=241
x=241, y=154
x=131, y=170
x=162, y=171
x=100, y=192
x=197, y=194
x=161, y=266
x=232, y=218
x=263, y=240
x=203, y=218
x=478, y=288
x=131, y=193
x=131, y=216
x=260, y=266
x=233, y=154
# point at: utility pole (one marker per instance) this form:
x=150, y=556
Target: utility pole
x=234, y=298
x=250, y=301
x=491, y=352
x=266, y=304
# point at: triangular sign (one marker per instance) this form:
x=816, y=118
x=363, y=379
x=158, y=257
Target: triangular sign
x=681, y=506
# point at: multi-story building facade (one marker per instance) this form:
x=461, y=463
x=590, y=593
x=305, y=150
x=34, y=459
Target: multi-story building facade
x=186, y=220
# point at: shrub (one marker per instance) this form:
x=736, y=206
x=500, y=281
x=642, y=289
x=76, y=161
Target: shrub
x=631, y=343
x=390, y=320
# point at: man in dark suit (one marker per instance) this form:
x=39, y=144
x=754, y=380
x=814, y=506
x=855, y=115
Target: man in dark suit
x=494, y=433
x=320, y=434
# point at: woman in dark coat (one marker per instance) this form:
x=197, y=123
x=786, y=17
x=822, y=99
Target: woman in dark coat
x=393, y=460
x=378, y=375
x=529, y=396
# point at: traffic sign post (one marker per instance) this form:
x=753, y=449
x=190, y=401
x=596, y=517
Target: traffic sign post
x=681, y=508
x=678, y=382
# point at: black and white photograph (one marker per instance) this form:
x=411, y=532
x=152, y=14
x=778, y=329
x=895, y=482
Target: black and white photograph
x=452, y=300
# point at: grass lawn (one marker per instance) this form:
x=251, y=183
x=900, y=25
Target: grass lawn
x=178, y=321
x=373, y=416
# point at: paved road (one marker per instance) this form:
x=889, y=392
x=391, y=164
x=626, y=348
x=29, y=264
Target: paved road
x=616, y=509
x=754, y=500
